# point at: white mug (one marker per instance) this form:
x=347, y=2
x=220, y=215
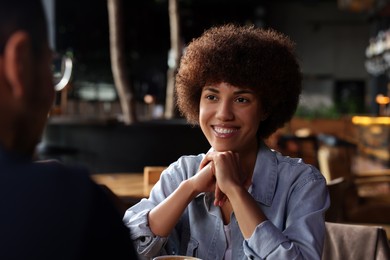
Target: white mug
x=175, y=257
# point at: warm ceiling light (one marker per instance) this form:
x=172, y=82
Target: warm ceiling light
x=382, y=100
x=366, y=120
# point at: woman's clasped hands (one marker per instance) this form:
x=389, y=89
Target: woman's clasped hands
x=220, y=172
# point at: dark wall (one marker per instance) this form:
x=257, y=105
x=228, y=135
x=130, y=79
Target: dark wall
x=119, y=148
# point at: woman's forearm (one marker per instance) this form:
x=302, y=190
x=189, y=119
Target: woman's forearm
x=163, y=218
x=247, y=212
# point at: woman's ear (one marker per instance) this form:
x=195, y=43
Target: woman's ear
x=17, y=62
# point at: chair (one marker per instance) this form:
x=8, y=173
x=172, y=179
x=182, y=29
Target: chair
x=151, y=176
x=335, y=157
x=355, y=242
x=303, y=146
x=335, y=162
x=337, y=189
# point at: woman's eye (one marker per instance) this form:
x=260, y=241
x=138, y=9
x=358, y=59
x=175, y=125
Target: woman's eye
x=242, y=100
x=211, y=97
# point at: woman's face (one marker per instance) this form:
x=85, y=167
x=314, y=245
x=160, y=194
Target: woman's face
x=229, y=117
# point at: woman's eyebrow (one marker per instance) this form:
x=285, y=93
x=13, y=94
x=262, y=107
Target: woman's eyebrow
x=244, y=91
x=237, y=92
x=211, y=89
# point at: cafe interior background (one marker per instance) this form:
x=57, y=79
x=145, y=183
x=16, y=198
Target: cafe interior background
x=341, y=125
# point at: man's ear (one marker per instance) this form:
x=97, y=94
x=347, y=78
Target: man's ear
x=17, y=62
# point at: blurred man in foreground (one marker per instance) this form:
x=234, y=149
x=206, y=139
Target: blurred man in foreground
x=48, y=211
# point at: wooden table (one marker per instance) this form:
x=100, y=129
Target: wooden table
x=373, y=173
x=127, y=186
x=373, y=184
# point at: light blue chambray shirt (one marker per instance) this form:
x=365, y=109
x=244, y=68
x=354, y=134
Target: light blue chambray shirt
x=293, y=195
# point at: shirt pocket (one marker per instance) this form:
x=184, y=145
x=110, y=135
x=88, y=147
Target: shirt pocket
x=192, y=248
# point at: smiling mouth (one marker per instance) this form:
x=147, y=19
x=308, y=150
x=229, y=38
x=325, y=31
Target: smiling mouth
x=224, y=131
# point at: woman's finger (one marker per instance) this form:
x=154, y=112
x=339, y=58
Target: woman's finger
x=205, y=160
x=220, y=197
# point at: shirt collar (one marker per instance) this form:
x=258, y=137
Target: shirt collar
x=264, y=176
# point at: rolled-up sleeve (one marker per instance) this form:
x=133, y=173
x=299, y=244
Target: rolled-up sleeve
x=146, y=242
x=136, y=217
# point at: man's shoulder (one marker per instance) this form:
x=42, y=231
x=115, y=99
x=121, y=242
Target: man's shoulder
x=63, y=205
x=57, y=171
x=49, y=178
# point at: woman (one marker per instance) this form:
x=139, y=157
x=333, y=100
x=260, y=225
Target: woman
x=241, y=200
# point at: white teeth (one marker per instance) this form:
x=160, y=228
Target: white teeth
x=221, y=130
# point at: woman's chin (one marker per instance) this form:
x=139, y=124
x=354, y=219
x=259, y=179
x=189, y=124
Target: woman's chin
x=222, y=148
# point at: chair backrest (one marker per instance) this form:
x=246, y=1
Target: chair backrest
x=355, y=242
x=151, y=176
x=303, y=146
x=335, y=157
x=337, y=189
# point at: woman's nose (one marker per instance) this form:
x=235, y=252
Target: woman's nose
x=225, y=111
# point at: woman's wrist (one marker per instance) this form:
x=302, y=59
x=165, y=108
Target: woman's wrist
x=189, y=186
x=234, y=191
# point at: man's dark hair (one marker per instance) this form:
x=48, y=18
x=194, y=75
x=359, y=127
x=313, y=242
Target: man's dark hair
x=25, y=15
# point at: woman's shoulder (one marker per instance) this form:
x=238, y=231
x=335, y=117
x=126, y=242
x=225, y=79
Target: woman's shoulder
x=299, y=172
x=186, y=165
x=183, y=168
x=295, y=168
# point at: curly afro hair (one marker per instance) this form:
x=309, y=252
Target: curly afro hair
x=262, y=60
